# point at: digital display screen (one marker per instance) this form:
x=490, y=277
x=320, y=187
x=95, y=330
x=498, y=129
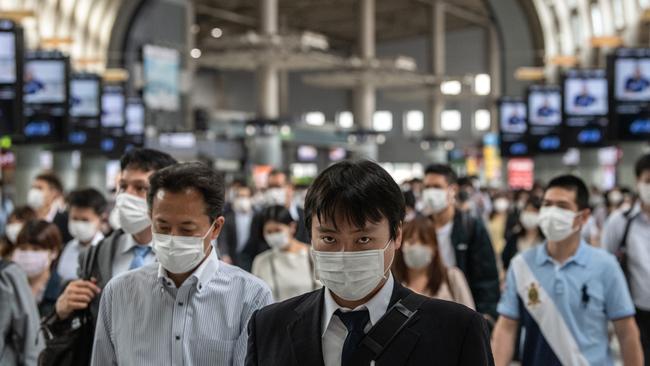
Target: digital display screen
x=84, y=97
x=337, y=154
x=629, y=77
x=113, y=106
x=586, y=107
x=161, y=75
x=7, y=57
x=544, y=107
x=135, y=117
x=307, y=153
x=44, y=81
x=513, y=126
x=545, y=133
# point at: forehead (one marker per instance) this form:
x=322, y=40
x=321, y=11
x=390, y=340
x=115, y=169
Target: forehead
x=129, y=174
x=187, y=202
x=434, y=178
x=559, y=194
x=343, y=226
x=85, y=211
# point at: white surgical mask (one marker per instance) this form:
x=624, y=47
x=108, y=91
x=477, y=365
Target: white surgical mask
x=417, y=256
x=556, y=223
x=275, y=197
x=179, y=254
x=529, y=220
x=435, y=199
x=501, y=205
x=35, y=198
x=644, y=192
x=114, y=219
x=350, y=275
x=615, y=197
x=33, y=262
x=242, y=204
x=133, y=213
x=279, y=240
x=83, y=231
x=12, y=231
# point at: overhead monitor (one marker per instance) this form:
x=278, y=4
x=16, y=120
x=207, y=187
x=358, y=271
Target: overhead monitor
x=135, y=118
x=307, y=153
x=586, y=107
x=11, y=78
x=545, y=134
x=629, y=77
x=113, y=106
x=85, y=91
x=46, y=88
x=8, y=72
x=161, y=76
x=513, y=127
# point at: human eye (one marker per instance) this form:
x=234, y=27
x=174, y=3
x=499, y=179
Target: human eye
x=328, y=239
x=364, y=240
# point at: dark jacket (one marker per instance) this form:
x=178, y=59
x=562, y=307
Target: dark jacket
x=61, y=222
x=475, y=257
x=441, y=333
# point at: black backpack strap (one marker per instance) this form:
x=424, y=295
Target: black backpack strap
x=628, y=222
x=391, y=324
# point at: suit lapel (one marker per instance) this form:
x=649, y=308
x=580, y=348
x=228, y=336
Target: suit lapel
x=400, y=348
x=306, y=331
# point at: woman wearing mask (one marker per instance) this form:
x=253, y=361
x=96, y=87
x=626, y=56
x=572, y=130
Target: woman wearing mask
x=37, y=247
x=526, y=233
x=17, y=220
x=497, y=224
x=418, y=266
x=286, y=267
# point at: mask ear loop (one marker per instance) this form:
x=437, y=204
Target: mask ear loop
x=391, y=260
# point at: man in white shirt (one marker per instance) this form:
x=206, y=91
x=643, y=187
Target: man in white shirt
x=86, y=210
x=355, y=212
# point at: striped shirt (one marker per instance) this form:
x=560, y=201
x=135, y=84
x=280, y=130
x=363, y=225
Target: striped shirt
x=145, y=320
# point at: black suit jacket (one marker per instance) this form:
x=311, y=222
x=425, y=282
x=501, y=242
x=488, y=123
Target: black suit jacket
x=442, y=333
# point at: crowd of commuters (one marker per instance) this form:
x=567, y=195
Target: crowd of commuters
x=180, y=268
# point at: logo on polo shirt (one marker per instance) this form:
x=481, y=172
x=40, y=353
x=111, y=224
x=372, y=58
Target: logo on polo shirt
x=533, y=295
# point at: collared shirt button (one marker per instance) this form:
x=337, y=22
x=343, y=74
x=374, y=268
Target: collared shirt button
x=178, y=338
x=180, y=304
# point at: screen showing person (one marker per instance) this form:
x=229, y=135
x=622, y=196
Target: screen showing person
x=632, y=79
x=44, y=81
x=84, y=98
x=7, y=58
x=113, y=105
x=586, y=96
x=513, y=117
x=544, y=108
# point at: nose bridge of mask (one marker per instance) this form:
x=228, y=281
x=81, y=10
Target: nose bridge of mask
x=181, y=241
x=351, y=262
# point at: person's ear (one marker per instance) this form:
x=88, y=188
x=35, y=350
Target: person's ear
x=398, y=237
x=218, y=226
x=583, y=217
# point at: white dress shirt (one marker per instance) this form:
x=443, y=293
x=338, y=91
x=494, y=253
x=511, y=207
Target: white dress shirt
x=144, y=319
x=447, y=251
x=69, y=260
x=125, y=254
x=335, y=332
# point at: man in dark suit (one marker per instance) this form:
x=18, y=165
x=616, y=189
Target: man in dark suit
x=46, y=198
x=354, y=211
x=237, y=227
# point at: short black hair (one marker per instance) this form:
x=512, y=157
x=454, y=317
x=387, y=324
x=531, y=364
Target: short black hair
x=575, y=184
x=88, y=198
x=444, y=170
x=278, y=214
x=642, y=165
x=464, y=181
x=360, y=191
x=23, y=213
x=199, y=176
x=52, y=180
x=409, y=199
x=146, y=160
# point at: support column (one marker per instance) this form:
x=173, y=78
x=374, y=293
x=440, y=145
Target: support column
x=92, y=172
x=266, y=150
x=364, y=94
x=62, y=165
x=495, y=76
x=28, y=166
x=438, y=54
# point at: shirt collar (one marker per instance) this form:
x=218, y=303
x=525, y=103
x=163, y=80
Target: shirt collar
x=581, y=256
x=377, y=306
x=201, y=276
x=129, y=243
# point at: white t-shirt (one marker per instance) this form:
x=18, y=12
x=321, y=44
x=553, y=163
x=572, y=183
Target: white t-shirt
x=444, y=244
x=287, y=274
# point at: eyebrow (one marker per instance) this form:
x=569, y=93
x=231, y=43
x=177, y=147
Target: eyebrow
x=326, y=230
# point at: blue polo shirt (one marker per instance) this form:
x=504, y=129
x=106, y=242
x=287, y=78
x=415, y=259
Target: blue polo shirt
x=588, y=290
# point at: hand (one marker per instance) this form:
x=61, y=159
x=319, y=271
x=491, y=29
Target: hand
x=77, y=295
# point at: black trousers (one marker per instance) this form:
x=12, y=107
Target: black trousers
x=643, y=321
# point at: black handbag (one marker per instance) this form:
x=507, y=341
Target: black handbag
x=70, y=342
